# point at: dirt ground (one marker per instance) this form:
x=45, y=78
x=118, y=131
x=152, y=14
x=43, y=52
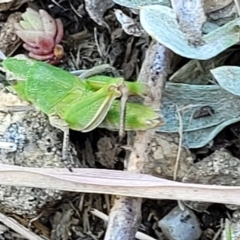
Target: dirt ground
x=69, y=216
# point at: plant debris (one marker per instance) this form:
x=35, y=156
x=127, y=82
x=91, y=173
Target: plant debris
x=199, y=142
x=9, y=40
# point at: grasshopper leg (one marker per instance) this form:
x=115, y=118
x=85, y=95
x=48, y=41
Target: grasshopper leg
x=99, y=70
x=124, y=98
x=55, y=121
x=65, y=148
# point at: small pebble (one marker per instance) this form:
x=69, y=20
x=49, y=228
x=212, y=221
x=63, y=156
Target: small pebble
x=15, y=134
x=180, y=225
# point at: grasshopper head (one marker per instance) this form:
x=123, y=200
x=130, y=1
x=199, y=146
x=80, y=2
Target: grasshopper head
x=16, y=68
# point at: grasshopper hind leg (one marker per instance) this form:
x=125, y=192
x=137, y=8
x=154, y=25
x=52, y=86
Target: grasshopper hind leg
x=65, y=156
x=55, y=121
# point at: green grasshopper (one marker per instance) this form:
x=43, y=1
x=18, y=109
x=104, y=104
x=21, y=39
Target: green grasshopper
x=82, y=105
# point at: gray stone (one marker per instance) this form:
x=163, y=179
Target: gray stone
x=35, y=144
x=180, y=225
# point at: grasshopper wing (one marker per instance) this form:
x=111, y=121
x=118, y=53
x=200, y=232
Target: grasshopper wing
x=46, y=86
x=17, y=67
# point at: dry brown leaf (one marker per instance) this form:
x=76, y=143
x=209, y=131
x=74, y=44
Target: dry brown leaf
x=61, y=221
x=117, y=183
x=107, y=151
x=222, y=17
x=96, y=10
x=9, y=41
x=128, y=24
x=6, y=5
x=215, y=5
x=14, y=225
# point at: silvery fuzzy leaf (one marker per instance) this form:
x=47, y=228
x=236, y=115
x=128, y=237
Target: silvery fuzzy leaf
x=192, y=98
x=139, y=3
x=197, y=132
x=160, y=23
x=202, y=137
x=228, y=78
x=198, y=72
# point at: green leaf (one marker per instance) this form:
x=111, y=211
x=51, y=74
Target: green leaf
x=161, y=24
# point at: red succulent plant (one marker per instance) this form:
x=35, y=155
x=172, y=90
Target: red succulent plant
x=41, y=35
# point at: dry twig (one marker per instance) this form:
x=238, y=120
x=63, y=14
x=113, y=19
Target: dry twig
x=190, y=16
x=124, y=183
x=125, y=215
x=104, y=217
x=180, y=132
x=14, y=225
